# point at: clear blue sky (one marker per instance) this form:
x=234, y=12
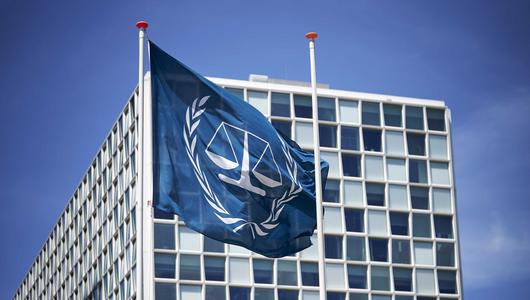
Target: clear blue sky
x=67, y=68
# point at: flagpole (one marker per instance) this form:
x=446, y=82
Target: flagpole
x=142, y=26
x=311, y=36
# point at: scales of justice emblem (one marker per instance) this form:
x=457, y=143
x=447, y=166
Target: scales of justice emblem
x=230, y=149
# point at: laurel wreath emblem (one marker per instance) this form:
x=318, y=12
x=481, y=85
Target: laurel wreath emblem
x=193, y=114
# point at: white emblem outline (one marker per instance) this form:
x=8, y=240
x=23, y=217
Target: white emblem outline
x=193, y=114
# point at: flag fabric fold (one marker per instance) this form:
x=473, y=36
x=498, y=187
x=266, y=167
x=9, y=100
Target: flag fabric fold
x=220, y=165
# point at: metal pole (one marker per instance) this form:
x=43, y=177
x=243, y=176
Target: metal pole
x=311, y=36
x=142, y=26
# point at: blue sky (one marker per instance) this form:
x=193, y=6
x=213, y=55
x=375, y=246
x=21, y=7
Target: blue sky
x=69, y=66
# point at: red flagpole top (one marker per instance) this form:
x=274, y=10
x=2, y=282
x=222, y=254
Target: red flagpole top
x=142, y=25
x=311, y=35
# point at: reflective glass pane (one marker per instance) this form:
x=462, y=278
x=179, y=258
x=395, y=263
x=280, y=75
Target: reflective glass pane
x=164, y=236
x=417, y=171
x=349, y=138
x=357, y=277
x=287, y=294
x=262, y=270
x=310, y=295
x=377, y=223
x=416, y=143
x=333, y=160
x=400, y=251
x=333, y=246
x=443, y=226
x=374, y=167
x=304, y=134
x=164, y=265
x=309, y=273
x=353, y=193
x=397, y=196
x=335, y=276
x=190, y=267
x=402, y=279
x=358, y=296
x=280, y=105
x=378, y=249
x=421, y=225
x=395, y=144
x=283, y=127
x=438, y=147
x=239, y=293
x=302, y=106
x=375, y=194
x=440, y=173
x=165, y=291
x=370, y=113
x=392, y=114
x=423, y=253
x=381, y=297
x=214, y=292
x=335, y=295
x=211, y=245
x=328, y=135
x=396, y=170
x=436, y=119
x=419, y=197
x=425, y=281
x=331, y=191
x=259, y=100
x=239, y=271
x=349, y=111
x=263, y=294
x=355, y=248
x=414, y=116
x=372, y=139
x=399, y=223
x=287, y=272
x=380, y=278
x=191, y=292
x=189, y=239
x=214, y=268
x=445, y=254
x=351, y=165
x=447, y=282
x=326, y=109
x=333, y=220
x=354, y=220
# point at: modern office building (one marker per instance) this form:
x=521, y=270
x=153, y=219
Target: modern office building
x=390, y=214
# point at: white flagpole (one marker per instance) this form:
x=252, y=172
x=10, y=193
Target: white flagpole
x=311, y=36
x=142, y=26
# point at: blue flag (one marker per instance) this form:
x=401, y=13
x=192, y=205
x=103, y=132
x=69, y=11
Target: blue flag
x=221, y=166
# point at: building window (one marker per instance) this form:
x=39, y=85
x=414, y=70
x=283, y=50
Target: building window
x=165, y=290
x=355, y=248
x=419, y=197
x=335, y=276
x=211, y=245
x=160, y=214
x=164, y=236
x=333, y=245
x=309, y=273
x=212, y=292
x=287, y=272
x=370, y=113
x=392, y=114
x=190, y=292
x=375, y=194
x=402, y=279
x=280, y=105
x=378, y=249
x=373, y=167
x=349, y=138
x=399, y=223
x=443, y=226
x=445, y=254
x=260, y=293
x=372, y=139
x=328, y=135
x=400, y=251
x=417, y=171
x=353, y=193
x=335, y=296
x=287, y=294
x=377, y=224
x=414, y=116
x=380, y=278
x=354, y=220
x=333, y=160
x=425, y=281
x=331, y=191
x=239, y=270
x=395, y=144
x=440, y=173
x=351, y=165
x=189, y=239
x=421, y=225
x=164, y=265
x=358, y=296
x=397, y=197
x=239, y=293
x=438, y=146
x=283, y=127
x=447, y=282
x=423, y=253
x=214, y=268
x=396, y=169
x=304, y=134
x=357, y=277
x=259, y=100
x=436, y=119
x=333, y=220
x=326, y=109
x=416, y=143
x=237, y=92
x=262, y=270
x=302, y=107
x=349, y=111
x=190, y=267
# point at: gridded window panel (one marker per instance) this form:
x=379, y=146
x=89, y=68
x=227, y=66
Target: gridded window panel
x=259, y=100
x=326, y=109
x=165, y=265
x=237, y=92
x=399, y=223
x=302, y=106
x=394, y=143
x=377, y=224
x=354, y=220
x=333, y=160
x=418, y=171
x=214, y=268
x=425, y=281
x=380, y=278
x=397, y=197
x=285, y=294
x=328, y=135
x=370, y=113
x=239, y=293
x=372, y=139
x=438, y=146
x=421, y=225
x=351, y=165
x=332, y=191
x=239, y=271
x=304, y=134
x=283, y=127
x=447, y=282
x=349, y=138
x=414, y=117
x=416, y=143
x=392, y=115
x=263, y=294
x=335, y=296
x=349, y=111
x=374, y=167
x=419, y=197
x=335, y=276
x=401, y=251
x=165, y=291
x=423, y=253
x=189, y=239
x=214, y=292
x=211, y=245
x=262, y=270
x=402, y=279
x=333, y=245
x=396, y=169
x=375, y=194
x=287, y=272
x=440, y=173
x=436, y=119
x=378, y=249
x=280, y=105
x=357, y=277
x=443, y=226
x=191, y=292
x=190, y=267
x=445, y=254
x=310, y=295
x=353, y=193
x=309, y=273
x=355, y=248
x=333, y=220
x=164, y=236
x=358, y=296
